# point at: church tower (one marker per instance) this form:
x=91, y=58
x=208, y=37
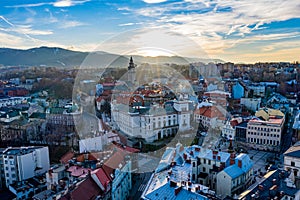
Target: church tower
x=131, y=71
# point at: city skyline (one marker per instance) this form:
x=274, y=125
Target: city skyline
x=243, y=31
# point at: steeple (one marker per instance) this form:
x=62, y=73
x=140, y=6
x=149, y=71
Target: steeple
x=131, y=64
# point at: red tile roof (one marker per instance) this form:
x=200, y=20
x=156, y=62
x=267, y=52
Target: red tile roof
x=103, y=178
x=81, y=157
x=65, y=158
x=87, y=189
x=210, y=112
x=114, y=162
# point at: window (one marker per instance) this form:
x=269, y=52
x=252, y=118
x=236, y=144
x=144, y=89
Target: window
x=204, y=169
x=293, y=163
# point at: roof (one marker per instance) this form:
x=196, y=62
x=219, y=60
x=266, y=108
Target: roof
x=114, y=162
x=293, y=151
x=102, y=177
x=66, y=157
x=267, y=183
x=211, y=112
x=266, y=113
x=78, y=171
x=168, y=193
x=86, y=189
x=235, y=171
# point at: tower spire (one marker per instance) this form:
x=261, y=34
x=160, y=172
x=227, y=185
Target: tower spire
x=131, y=64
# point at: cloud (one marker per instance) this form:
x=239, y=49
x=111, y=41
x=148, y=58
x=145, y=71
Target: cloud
x=58, y=3
x=154, y=1
x=219, y=25
x=71, y=24
x=130, y=24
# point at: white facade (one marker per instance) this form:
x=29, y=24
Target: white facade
x=252, y=104
x=228, y=131
x=92, y=144
x=156, y=124
x=264, y=135
x=258, y=90
x=24, y=162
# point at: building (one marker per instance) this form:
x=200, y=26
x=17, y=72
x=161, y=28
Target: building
x=264, y=131
x=252, y=104
x=292, y=162
x=153, y=122
x=296, y=126
x=131, y=71
x=175, y=178
x=236, y=178
x=228, y=131
x=275, y=184
x=241, y=131
x=218, y=97
x=257, y=90
x=210, y=116
x=238, y=91
x=22, y=163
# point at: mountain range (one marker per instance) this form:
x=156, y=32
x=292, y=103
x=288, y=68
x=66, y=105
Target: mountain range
x=59, y=57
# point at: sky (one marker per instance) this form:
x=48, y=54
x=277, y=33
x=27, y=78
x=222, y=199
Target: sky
x=234, y=31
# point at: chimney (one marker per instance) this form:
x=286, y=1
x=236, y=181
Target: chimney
x=274, y=181
x=232, y=159
x=197, y=149
x=219, y=158
x=261, y=187
x=177, y=190
x=240, y=163
x=184, y=156
x=191, y=153
x=173, y=184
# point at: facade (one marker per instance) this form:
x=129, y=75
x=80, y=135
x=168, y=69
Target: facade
x=11, y=101
x=210, y=116
x=265, y=130
x=155, y=122
x=252, y=104
x=21, y=163
x=292, y=162
x=236, y=178
x=238, y=91
x=228, y=131
x=258, y=90
x=241, y=132
x=218, y=97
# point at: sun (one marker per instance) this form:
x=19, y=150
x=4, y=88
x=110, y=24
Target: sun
x=153, y=52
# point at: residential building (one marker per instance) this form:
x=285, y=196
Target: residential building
x=257, y=90
x=210, y=116
x=236, y=178
x=292, y=162
x=238, y=91
x=264, y=131
x=218, y=97
x=252, y=104
x=22, y=163
x=228, y=131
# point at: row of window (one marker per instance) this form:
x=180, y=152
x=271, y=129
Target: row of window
x=263, y=134
x=263, y=141
x=264, y=129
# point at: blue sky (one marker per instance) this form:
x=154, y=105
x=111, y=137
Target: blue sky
x=237, y=31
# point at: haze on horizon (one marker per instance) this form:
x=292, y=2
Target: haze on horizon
x=236, y=31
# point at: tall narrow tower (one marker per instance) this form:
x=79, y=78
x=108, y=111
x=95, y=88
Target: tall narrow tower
x=131, y=71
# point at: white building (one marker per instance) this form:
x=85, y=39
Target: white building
x=258, y=89
x=21, y=163
x=265, y=130
x=210, y=116
x=292, y=162
x=228, y=131
x=154, y=122
x=252, y=104
x=234, y=179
